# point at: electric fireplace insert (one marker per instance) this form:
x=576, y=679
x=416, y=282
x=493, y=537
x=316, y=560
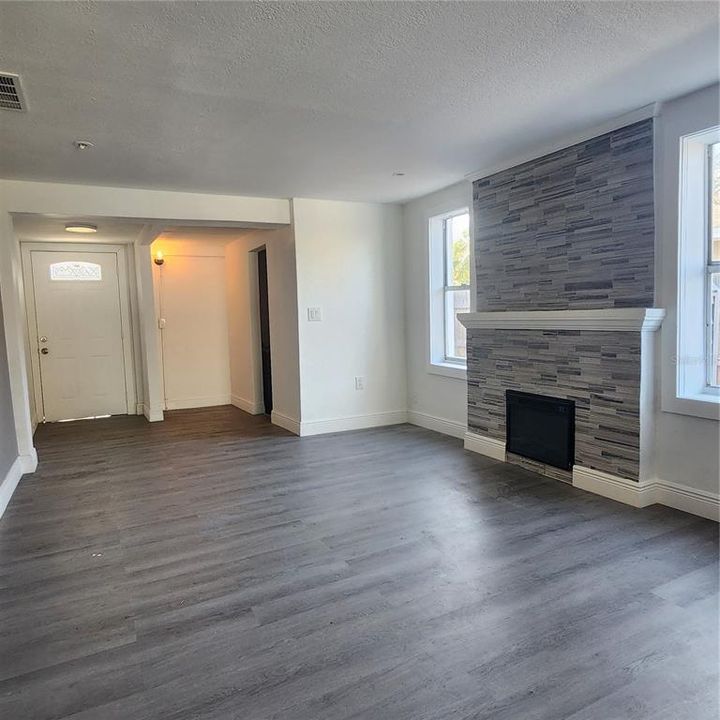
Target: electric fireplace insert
x=541, y=428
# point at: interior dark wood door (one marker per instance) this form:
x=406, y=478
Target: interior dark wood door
x=265, y=330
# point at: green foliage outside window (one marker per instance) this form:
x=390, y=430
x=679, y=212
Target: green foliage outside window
x=461, y=259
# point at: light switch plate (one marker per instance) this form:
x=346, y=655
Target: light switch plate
x=314, y=314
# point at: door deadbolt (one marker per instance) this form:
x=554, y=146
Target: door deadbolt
x=43, y=339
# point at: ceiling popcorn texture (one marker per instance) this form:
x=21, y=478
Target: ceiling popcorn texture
x=326, y=99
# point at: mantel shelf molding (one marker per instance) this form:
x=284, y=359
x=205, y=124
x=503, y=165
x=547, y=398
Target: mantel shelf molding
x=609, y=320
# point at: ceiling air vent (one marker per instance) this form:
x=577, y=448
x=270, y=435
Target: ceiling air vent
x=11, y=95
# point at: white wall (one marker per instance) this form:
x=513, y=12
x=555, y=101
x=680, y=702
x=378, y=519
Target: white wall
x=8, y=444
x=16, y=343
x=151, y=397
x=245, y=367
x=434, y=401
x=231, y=347
x=687, y=447
x=157, y=205
x=192, y=300
x=350, y=265
x=241, y=284
x=10, y=463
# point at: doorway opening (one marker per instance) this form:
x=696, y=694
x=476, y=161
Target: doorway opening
x=213, y=289
x=264, y=321
x=134, y=319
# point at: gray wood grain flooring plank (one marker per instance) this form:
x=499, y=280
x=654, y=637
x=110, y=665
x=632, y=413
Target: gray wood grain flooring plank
x=214, y=567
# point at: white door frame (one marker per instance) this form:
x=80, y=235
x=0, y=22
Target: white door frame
x=120, y=251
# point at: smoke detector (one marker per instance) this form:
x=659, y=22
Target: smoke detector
x=11, y=94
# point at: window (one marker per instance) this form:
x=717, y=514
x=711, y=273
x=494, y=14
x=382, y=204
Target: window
x=698, y=341
x=449, y=290
x=77, y=271
x=713, y=268
x=456, y=258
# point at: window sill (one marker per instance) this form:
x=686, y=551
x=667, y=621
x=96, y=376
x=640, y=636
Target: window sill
x=450, y=370
x=702, y=405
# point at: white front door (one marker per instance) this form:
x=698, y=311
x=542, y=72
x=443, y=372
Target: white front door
x=79, y=334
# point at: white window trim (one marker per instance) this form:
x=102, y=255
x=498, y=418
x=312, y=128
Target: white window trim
x=437, y=364
x=690, y=392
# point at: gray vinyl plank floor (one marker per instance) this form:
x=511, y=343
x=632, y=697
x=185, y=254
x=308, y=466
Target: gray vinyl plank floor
x=215, y=567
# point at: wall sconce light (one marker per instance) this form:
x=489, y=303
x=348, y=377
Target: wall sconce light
x=159, y=259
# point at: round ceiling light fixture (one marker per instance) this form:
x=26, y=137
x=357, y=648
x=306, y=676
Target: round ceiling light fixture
x=75, y=227
x=83, y=144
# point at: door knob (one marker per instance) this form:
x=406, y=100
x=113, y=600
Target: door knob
x=44, y=351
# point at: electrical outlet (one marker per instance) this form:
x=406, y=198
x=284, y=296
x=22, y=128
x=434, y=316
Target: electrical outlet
x=314, y=314
x=359, y=382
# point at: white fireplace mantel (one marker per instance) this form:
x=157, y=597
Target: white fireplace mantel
x=609, y=320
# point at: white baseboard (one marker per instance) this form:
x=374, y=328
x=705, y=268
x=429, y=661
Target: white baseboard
x=197, y=402
x=441, y=425
x=286, y=422
x=10, y=482
x=152, y=414
x=638, y=494
x=649, y=492
x=29, y=462
x=690, y=500
x=355, y=422
x=485, y=446
x=633, y=493
x=254, y=408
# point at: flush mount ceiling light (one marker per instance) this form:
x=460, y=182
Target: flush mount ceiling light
x=75, y=227
x=83, y=144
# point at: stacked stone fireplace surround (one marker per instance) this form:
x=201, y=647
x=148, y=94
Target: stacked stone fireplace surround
x=567, y=233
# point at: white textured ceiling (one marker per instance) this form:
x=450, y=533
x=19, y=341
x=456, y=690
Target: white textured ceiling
x=326, y=99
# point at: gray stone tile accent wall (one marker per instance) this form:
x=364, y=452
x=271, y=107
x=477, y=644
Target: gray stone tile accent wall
x=600, y=371
x=570, y=230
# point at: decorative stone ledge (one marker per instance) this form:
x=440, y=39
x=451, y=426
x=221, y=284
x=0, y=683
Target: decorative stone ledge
x=610, y=320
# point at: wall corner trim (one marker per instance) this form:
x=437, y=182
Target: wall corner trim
x=484, y=445
x=650, y=492
x=12, y=478
x=29, y=462
x=438, y=424
x=286, y=422
x=248, y=406
x=152, y=414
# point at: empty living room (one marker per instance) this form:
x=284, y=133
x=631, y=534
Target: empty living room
x=359, y=360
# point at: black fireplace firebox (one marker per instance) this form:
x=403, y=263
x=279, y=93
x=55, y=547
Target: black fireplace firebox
x=541, y=428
